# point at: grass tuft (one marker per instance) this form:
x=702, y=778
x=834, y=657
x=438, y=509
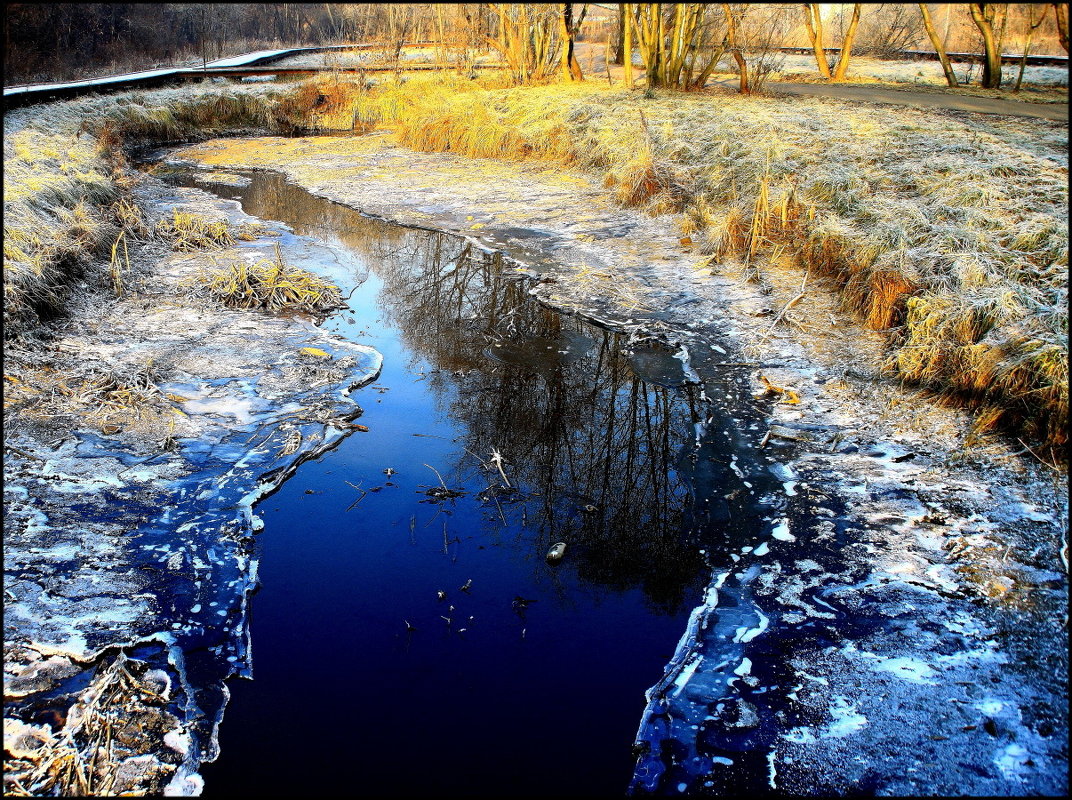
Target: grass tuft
x=186, y=230
x=270, y=284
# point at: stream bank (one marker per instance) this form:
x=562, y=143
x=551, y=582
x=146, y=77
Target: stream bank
x=877, y=512
x=128, y=523
x=903, y=552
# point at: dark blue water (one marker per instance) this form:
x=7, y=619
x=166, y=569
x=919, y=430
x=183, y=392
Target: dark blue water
x=531, y=682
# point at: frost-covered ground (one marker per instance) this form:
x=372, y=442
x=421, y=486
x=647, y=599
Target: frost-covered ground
x=127, y=526
x=899, y=625
x=927, y=73
x=357, y=58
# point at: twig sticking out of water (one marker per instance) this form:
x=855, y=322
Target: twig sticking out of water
x=358, y=500
x=497, y=460
x=441, y=483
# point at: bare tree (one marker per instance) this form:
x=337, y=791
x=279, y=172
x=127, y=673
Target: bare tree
x=888, y=29
x=939, y=48
x=813, y=21
x=1060, y=10
x=761, y=31
x=984, y=15
x=527, y=38
x=846, y=45
x=735, y=46
x=679, y=42
x=571, y=68
x=1032, y=26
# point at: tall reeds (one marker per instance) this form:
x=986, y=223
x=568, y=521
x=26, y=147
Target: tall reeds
x=949, y=235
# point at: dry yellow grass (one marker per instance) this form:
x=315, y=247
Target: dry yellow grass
x=64, y=188
x=950, y=234
x=186, y=230
x=270, y=284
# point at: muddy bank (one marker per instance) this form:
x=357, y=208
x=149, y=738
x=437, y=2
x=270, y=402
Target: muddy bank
x=898, y=624
x=138, y=435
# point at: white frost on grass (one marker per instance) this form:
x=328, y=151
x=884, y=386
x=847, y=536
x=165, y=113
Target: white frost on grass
x=928, y=73
x=847, y=720
x=910, y=669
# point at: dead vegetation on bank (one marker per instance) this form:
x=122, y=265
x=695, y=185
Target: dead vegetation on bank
x=66, y=189
x=100, y=750
x=947, y=231
x=270, y=284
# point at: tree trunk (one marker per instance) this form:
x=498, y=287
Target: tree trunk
x=649, y=31
x=1032, y=26
x=619, y=45
x=983, y=16
x=571, y=70
x=814, y=23
x=846, y=46
x=627, y=43
x=658, y=78
x=731, y=37
x=1061, y=10
x=939, y=48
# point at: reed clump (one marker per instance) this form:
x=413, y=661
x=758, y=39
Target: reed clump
x=270, y=284
x=188, y=231
x=109, y=390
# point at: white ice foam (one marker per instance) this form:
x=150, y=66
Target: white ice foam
x=781, y=532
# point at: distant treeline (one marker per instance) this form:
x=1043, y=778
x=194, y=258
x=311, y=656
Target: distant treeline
x=60, y=41
x=50, y=41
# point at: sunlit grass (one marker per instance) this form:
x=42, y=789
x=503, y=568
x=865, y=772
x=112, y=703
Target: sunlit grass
x=269, y=284
x=186, y=230
x=65, y=192
x=949, y=234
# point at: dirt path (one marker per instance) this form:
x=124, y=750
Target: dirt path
x=880, y=94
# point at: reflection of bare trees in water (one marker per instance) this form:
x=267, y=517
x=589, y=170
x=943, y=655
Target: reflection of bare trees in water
x=590, y=445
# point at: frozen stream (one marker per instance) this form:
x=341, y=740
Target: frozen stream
x=532, y=680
